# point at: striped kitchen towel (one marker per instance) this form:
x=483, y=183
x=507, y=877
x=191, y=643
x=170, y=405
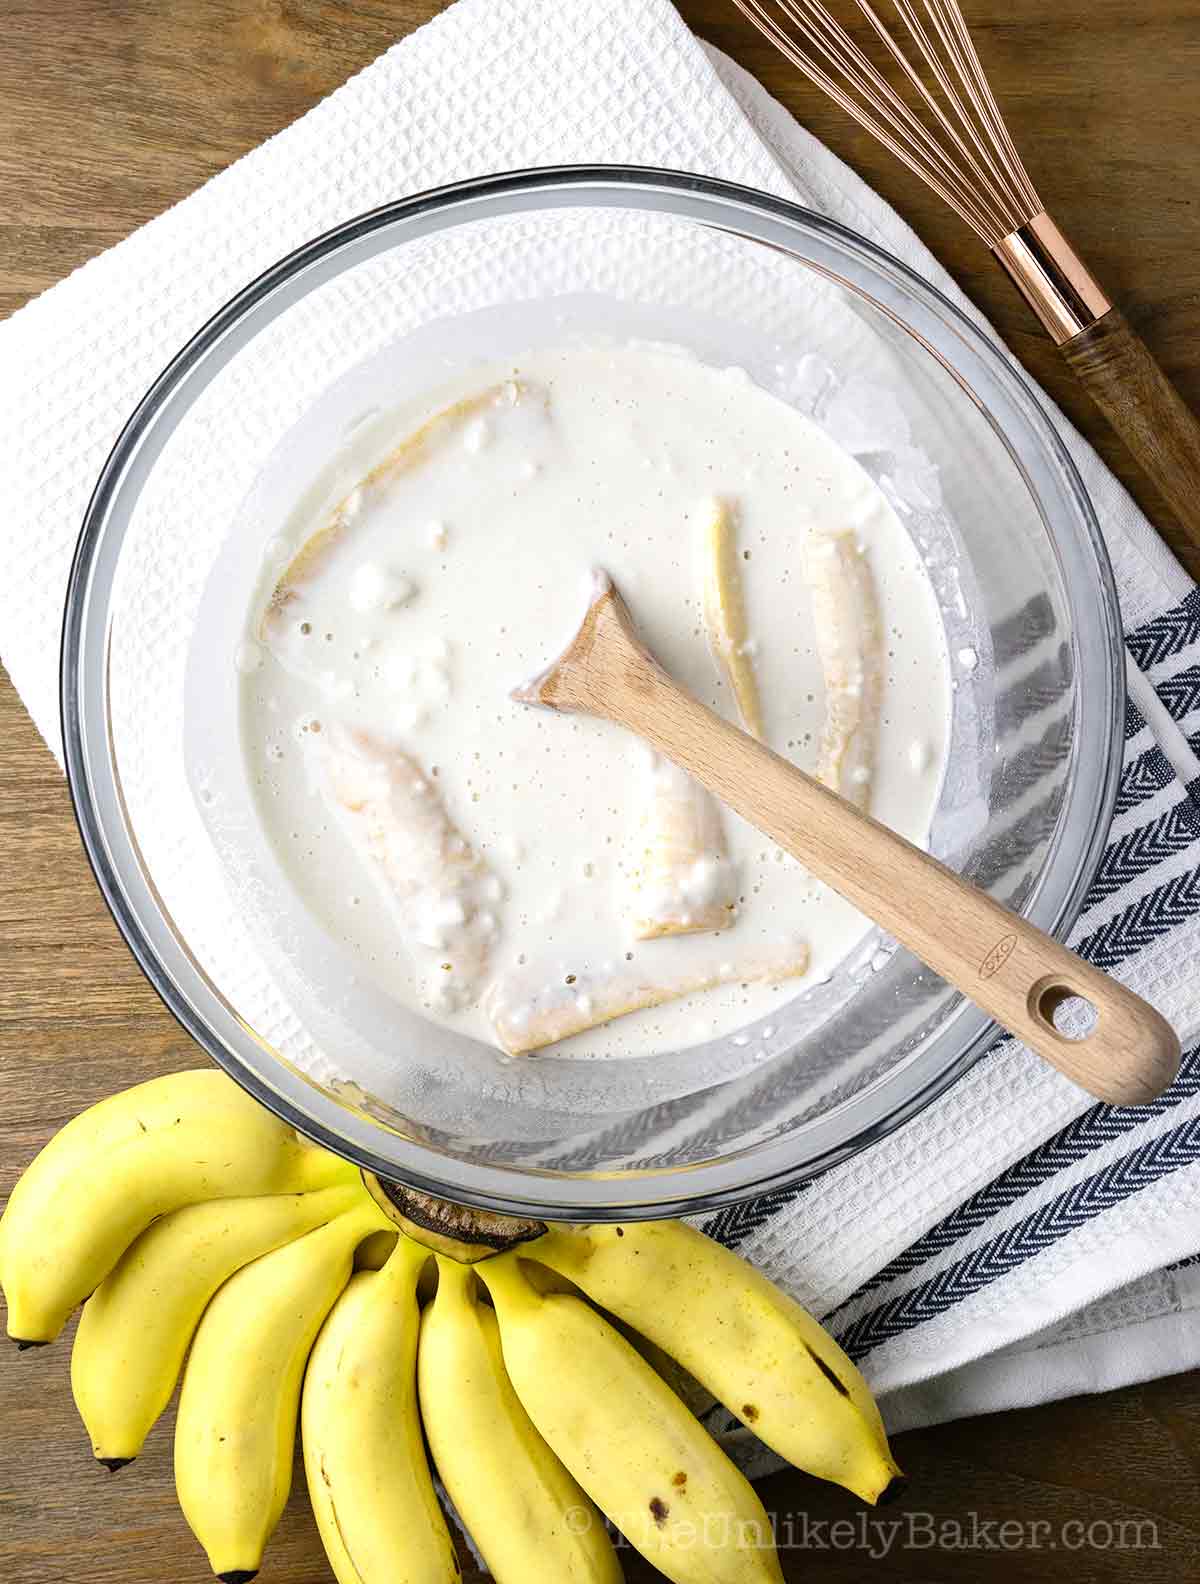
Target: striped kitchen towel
x=1013, y=1242
x=1056, y=1248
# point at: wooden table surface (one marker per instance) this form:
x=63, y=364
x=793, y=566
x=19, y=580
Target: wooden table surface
x=112, y=109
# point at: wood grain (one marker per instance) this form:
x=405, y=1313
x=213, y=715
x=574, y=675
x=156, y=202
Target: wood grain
x=112, y=109
x=1116, y=368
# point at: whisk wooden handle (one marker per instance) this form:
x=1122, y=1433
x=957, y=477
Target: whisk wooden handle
x=1119, y=372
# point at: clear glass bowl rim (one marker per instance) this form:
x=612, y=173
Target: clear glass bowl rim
x=987, y=377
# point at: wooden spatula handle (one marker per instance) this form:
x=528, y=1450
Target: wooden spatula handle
x=1007, y=966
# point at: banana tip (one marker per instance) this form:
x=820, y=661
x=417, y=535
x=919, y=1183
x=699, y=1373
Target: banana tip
x=24, y=1343
x=893, y=1490
x=113, y=1464
x=238, y=1576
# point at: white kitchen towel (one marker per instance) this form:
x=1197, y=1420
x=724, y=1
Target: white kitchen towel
x=1013, y=1242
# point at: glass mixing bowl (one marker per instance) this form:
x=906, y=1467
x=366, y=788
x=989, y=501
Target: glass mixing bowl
x=235, y=431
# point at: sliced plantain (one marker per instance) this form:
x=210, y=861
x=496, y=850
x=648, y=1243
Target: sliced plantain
x=413, y=450
x=849, y=640
x=442, y=893
x=685, y=883
x=725, y=612
x=529, y=1011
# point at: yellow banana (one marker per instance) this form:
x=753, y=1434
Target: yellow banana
x=136, y=1327
x=62, y=1246
x=98, y=1185
x=526, y=1514
x=628, y=1440
x=725, y=614
x=756, y=1349
x=159, y=1102
x=236, y=1426
x=364, y=1458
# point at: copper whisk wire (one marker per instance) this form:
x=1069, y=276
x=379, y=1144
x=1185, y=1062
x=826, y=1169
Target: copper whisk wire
x=908, y=72
x=952, y=135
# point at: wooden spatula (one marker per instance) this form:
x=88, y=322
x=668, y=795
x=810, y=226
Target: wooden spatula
x=1009, y=968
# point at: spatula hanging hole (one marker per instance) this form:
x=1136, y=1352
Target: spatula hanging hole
x=1072, y=1016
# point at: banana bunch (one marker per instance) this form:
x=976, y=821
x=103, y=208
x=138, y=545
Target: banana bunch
x=141, y=1155
x=190, y=1223
x=215, y=1247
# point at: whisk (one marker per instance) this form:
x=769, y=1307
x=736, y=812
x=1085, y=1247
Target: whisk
x=935, y=111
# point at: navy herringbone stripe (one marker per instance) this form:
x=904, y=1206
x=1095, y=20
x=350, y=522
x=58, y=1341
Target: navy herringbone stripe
x=1127, y=933
x=1022, y=838
x=1038, y=691
x=1181, y=692
x=1095, y=1127
x=1036, y=762
x=1039, y=1230
x=1142, y=778
x=1143, y=921
x=1016, y=635
x=1137, y=926
x=1166, y=634
x=734, y=1224
x=1133, y=854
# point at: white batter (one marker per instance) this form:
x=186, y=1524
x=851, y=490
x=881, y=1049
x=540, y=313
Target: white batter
x=493, y=866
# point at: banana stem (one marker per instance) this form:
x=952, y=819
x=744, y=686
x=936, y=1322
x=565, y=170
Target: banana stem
x=456, y=1282
x=404, y=1264
x=508, y=1285
x=318, y=1168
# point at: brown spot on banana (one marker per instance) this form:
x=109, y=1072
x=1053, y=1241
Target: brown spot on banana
x=829, y=1373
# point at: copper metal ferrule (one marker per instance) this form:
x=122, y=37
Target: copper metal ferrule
x=1052, y=278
